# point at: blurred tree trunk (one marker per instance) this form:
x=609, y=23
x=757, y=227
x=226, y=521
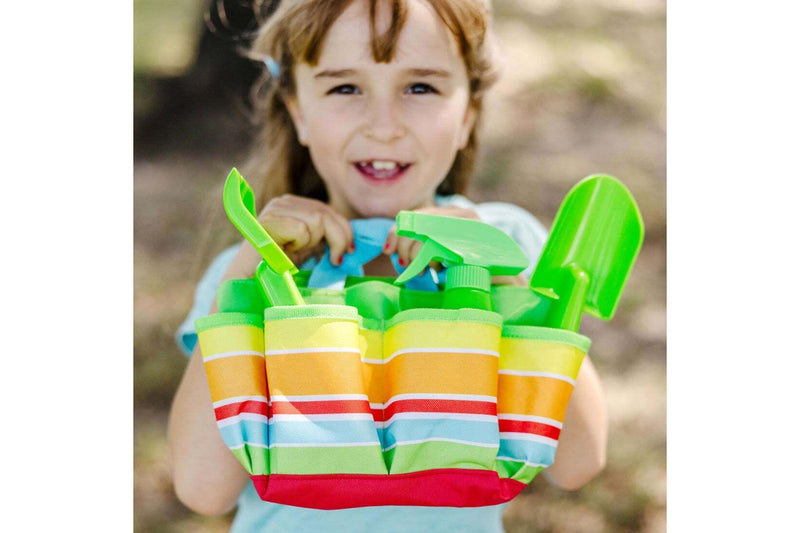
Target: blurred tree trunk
x=207, y=108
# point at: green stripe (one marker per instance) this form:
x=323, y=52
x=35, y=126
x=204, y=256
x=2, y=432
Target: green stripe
x=289, y=312
x=255, y=455
x=406, y=458
x=328, y=460
x=228, y=319
x=449, y=315
x=518, y=471
x=563, y=336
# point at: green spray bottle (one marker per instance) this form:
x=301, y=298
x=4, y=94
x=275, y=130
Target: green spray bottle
x=472, y=251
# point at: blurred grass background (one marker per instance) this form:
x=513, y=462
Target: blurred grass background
x=583, y=91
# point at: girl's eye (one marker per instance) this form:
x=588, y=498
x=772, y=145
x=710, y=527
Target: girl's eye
x=344, y=89
x=421, y=88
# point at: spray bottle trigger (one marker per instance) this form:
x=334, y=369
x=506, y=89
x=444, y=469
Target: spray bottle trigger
x=430, y=251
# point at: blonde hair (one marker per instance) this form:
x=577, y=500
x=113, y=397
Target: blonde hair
x=295, y=32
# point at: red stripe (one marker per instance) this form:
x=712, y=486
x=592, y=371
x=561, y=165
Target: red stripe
x=472, y=407
x=325, y=407
x=533, y=428
x=443, y=487
x=233, y=409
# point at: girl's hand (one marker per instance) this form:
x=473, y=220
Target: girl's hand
x=298, y=225
x=407, y=249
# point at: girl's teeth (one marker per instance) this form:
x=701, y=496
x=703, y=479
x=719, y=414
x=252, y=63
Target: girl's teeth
x=382, y=169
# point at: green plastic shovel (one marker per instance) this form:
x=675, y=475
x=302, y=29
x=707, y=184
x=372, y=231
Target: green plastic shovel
x=275, y=271
x=596, y=236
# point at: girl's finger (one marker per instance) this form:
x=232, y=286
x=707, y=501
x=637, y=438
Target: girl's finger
x=288, y=231
x=299, y=225
x=325, y=222
x=338, y=234
x=390, y=245
x=407, y=250
x=305, y=210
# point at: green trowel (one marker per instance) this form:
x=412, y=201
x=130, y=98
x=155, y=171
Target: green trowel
x=596, y=236
x=275, y=270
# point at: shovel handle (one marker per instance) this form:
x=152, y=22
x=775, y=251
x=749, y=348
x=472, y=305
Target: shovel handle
x=566, y=313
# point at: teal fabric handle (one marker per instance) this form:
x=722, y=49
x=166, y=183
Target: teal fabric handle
x=369, y=236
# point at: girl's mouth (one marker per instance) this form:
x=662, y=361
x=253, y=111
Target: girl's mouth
x=381, y=169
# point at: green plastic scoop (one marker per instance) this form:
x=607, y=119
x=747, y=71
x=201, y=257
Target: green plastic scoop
x=275, y=271
x=596, y=236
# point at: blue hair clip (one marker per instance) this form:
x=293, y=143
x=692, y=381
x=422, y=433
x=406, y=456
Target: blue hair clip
x=272, y=66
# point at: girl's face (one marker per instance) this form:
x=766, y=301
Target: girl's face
x=383, y=135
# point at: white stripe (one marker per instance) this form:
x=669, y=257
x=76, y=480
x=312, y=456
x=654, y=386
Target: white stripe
x=531, y=418
x=232, y=354
x=461, y=397
x=455, y=441
x=323, y=444
x=343, y=417
x=238, y=399
x=306, y=351
x=437, y=416
x=305, y=445
x=508, y=435
x=514, y=460
x=531, y=373
x=320, y=398
x=252, y=417
x=474, y=351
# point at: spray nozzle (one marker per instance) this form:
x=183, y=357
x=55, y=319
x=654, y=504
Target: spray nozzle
x=471, y=250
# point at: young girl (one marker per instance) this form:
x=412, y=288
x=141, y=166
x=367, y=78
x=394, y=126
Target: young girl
x=370, y=108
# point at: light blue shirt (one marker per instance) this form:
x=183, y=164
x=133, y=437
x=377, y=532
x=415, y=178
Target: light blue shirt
x=254, y=514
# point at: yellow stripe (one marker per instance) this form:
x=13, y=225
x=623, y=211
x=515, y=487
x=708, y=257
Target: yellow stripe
x=315, y=373
x=231, y=339
x=536, y=396
x=540, y=356
x=442, y=373
x=236, y=376
x=310, y=333
x=441, y=334
x=372, y=344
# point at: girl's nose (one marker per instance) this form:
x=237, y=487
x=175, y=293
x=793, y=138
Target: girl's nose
x=384, y=121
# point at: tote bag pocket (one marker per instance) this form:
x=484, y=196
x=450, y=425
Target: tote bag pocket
x=536, y=375
x=440, y=403
x=232, y=345
x=320, y=420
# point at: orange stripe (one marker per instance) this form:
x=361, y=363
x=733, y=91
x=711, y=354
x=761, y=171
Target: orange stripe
x=537, y=396
x=443, y=373
x=236, y=376
x=375, y=382
x=373, y=374
x=315, y=373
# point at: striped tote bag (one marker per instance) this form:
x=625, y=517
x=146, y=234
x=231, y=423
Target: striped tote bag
x=327, y=408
